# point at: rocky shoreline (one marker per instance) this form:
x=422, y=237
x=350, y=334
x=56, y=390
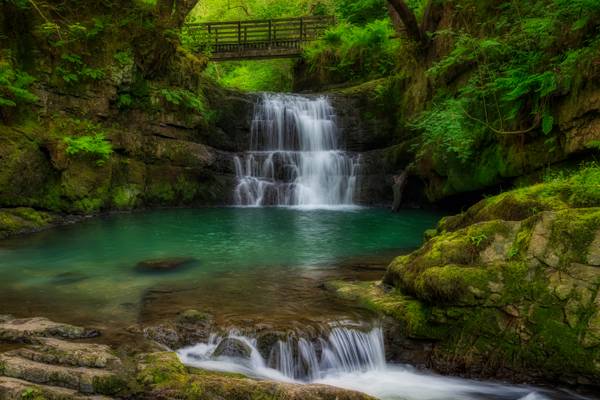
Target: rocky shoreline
x=58, y=361
x=508, y=289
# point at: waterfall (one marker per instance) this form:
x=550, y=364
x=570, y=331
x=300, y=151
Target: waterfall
x=342, y=350
x=346, y=357
x=294, y=157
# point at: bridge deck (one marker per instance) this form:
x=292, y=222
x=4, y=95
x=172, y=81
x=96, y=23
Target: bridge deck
x=272, y=38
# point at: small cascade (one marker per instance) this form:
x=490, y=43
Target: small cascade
x=342, y=350
x=345, y=356
x=294, y=157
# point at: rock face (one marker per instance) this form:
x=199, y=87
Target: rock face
x=506, y=289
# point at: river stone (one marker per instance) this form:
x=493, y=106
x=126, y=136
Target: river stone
x=28, y=329
x=231, y=347
x=68, y=278
x=60, y=352
x=165, y=264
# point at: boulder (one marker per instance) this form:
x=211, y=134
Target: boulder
x=165, y=264
x=27, y=330
x=232, y=347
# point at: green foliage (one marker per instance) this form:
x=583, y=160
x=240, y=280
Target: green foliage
x=96, y=146
x=253, y=76
x=124, y=101
x=90, y=141
x=582, y=185
x=72, y=69
x=515, y=65
x=355, y=52
x=14, y=85
x=361, y=11
x=219, y=10
x=448, y=132
x=124, y=58
x=181, y=97
x=477, y=240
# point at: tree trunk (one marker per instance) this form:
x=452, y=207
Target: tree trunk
x=413, y=30
x=396, y=21
x=431, y=17
x=174, y=12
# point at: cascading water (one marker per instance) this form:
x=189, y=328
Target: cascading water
x=346, y=357
x=294, y=157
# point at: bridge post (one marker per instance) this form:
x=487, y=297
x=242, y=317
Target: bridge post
x=239, y=34
x=302, y=29
x=270, y=32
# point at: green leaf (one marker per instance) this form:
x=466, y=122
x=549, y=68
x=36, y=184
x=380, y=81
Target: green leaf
x=547, y=123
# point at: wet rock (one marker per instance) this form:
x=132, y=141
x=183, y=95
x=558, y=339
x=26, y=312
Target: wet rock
x=164, y=376
x=68, y=278
x=193, y=317
x=18, y=389
x=165, y=335
x=60, y=352
x=84, y=380
x=190, y=327
x=231, y=347
x=267, y=340
x=26, y=330
x=165, y=264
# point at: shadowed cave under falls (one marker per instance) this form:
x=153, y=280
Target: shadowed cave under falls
x=295, y=157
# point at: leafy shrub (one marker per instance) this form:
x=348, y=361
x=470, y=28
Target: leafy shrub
x=361, y=11
x=124, y=101
x=355, y=52
x=72, y=69
x=95, y=146
x=14, y=86
x=515, y=65
x=189, y=100
x=89, y=140
x=447, y=132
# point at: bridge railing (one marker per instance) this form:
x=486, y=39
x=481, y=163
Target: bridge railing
x=283, y=33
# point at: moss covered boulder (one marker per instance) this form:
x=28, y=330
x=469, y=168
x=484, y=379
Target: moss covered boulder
x=162, y=376
x=509, y=289
x=14, y=221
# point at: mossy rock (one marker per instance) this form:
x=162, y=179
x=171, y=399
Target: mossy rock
x=163, y=374
x=14, y=221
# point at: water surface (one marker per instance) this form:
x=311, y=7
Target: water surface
x=249, y=262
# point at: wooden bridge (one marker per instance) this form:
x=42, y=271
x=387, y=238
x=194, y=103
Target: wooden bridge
x=258, y=39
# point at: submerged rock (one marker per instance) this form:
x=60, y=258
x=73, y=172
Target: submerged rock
x=68, y=278
x=165, y=264
x=232, y=347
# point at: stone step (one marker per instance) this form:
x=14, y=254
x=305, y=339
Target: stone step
x=27, y=330
x=60, y=352
x=17, y=389
x=84, y=380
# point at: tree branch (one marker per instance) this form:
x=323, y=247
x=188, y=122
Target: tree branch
x=409, y=19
